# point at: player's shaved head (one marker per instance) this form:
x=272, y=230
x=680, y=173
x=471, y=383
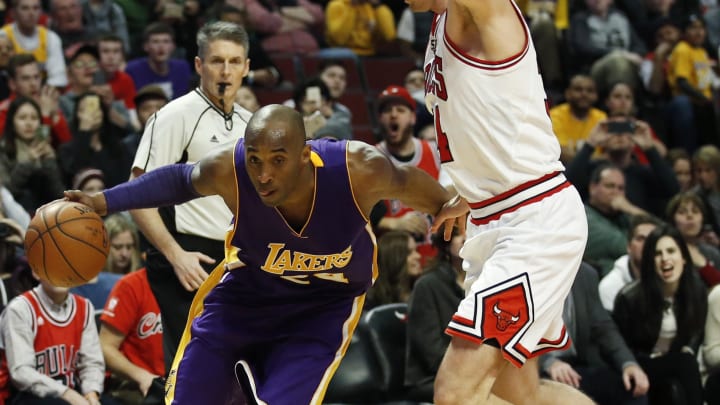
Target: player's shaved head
x=276, y=120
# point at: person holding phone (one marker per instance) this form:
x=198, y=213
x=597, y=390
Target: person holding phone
x=648, y=186
x=27, y=159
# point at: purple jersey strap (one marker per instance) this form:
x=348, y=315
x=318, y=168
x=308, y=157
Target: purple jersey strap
x=167, y=185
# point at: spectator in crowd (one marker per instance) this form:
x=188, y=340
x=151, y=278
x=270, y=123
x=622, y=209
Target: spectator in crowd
x=138, y=17
x=399, y=266
x=15, y=274
x=620, y=104
x=711, y=348
x=6, y=51
x=97, y=143
x=608, y=214
x=365, y=27
x=413, y=31
x=415, y=85
x=67, y=21
x=106, y=16
x=687, y=212
x=124, y=256
x=662, y=316
x=653, y=69
x=25, y=81
x=603, y=40
x=681, y=164
x=27, y=36
x=287, y=26
x=626, y=268
x=397, y=120
x=85, y=76
x=131, y=339
x=263, y=72
x=706, y=168
x=576, y=117
x=51, y=348
x=89, y=180
x=173, y=75
x=312, y=98
x=247, y=99
x=547, y=20
x=598, y=362
x=28, y=165
x=112, y=61
x=148, y=100
x=334, y=74
x=650, y=185
x=691, y=112
x=432, y=303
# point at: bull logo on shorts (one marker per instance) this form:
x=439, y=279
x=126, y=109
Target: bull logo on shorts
x=504, y=318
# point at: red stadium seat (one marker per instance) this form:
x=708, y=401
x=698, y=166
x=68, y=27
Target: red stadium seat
x=310, y=65
x=383, y=72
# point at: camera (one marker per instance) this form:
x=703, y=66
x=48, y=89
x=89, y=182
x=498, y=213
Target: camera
x=621, y=127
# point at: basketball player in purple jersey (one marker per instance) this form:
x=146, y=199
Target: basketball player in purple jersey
x=527, y=229
x=278, y=313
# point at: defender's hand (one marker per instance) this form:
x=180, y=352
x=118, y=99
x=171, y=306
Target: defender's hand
x=455, y=209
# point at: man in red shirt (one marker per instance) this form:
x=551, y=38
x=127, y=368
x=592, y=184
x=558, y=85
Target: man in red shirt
x=112, y=59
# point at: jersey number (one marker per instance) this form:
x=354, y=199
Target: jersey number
x=442, y=139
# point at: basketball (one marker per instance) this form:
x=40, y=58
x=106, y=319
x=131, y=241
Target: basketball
x=66, y=244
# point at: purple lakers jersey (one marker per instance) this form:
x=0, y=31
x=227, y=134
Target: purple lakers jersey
x=334, y=252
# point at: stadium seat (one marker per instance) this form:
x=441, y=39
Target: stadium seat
x=287, y=65
x=383, y=72
x=386, y=325
x=310, y=66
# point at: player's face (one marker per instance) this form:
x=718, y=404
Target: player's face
x=637, y=242
x=27, y=122
x=336, y=80
x=397, y=122
x=621, y=101
x=111, y=55
x=122, y=247
x=706, y=176
x=274, y=160
x=688, y=219
x=669, y=262
x=27, y=81
x=414, y=268
x=224, y=62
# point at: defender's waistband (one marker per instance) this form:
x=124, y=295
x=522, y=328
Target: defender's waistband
x=527, y=193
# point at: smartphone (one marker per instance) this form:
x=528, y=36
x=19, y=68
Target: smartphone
x=42, y=133
x=621, y=127
x=99, y=77
x=92, y=103
x=313, y=94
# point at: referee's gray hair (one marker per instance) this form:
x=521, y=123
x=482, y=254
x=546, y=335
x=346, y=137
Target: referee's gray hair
x=221, y=30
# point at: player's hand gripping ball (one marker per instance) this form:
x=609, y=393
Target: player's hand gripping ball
x=66, y=243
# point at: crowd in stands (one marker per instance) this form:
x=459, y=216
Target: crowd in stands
x=633, y=94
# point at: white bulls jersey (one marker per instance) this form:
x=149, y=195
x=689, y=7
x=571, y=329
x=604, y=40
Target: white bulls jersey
x=491, y=120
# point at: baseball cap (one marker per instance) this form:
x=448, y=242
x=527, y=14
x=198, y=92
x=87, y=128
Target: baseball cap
x=85, y=175
x=86, y=49
x=150, y=92
x=396, y=94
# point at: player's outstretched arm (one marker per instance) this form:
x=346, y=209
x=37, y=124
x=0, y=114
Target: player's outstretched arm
x=374, y=177
x=167, y=185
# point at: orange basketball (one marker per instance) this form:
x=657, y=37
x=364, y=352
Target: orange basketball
x=66, y=244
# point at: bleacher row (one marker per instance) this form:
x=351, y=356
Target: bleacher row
x=366, y=78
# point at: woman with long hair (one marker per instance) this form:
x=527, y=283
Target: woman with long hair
x=96, y=143
x=28, y=166
x=398, y=268
x=662, y=315
x=688, y=213
x=124, y=255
